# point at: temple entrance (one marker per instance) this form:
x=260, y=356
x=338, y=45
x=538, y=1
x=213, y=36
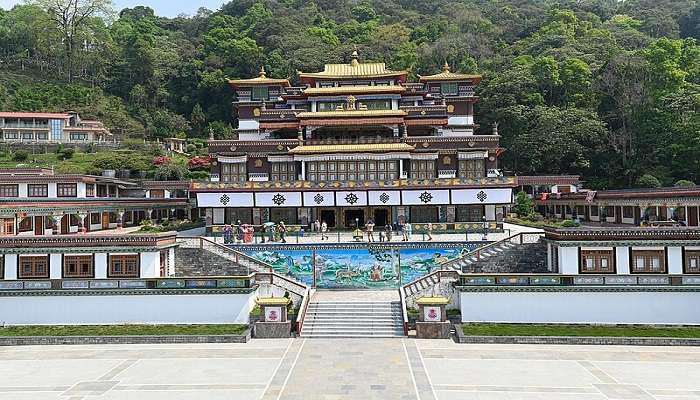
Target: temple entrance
x=105, y=220
x=353, y=218
x=65, y=224
x=329, y=217
x=381, y=217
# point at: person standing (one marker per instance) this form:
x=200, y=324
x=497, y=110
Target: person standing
x=317, y=227
x=429, y=231
x=239, y=231
x=370, y=231
x=227, y=233
x=388, y=232
x=324, y=230
x=408, y=231
x=282, y=231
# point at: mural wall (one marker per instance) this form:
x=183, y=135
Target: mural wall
x=359, y=267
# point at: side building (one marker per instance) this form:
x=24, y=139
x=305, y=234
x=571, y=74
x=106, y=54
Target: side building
x=355, y=143
x=51, y=128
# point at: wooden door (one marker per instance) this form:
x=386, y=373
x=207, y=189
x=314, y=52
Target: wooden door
x=692, y=216
x=65, y=224
x=618, y=215
x=39, y=226
x=105, y=220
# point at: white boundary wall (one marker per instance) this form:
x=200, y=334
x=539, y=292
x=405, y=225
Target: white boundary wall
x=604, y=307
x=127, y=309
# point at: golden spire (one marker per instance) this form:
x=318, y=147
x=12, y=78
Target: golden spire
x=446, y=67
x=262, y=71
x=354, y=56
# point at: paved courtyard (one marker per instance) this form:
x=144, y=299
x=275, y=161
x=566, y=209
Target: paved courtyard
x=349, y=369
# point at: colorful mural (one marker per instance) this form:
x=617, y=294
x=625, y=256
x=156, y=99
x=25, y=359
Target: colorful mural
x=359, y=267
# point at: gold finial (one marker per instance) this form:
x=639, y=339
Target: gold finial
x=262, y=71
x=446, y=67
x=354, y=56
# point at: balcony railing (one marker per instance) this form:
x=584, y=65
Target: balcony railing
x=359, y=140
x=447, y=173
x=278, y=115
x=258, y=177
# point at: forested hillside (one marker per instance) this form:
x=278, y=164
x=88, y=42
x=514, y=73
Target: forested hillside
x=603, y=88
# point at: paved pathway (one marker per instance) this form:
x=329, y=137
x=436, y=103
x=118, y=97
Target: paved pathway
x=325, y=369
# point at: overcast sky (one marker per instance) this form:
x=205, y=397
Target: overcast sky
x=166, y=8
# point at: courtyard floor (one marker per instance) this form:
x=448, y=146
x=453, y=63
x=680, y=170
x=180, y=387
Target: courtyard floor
x=349, y=369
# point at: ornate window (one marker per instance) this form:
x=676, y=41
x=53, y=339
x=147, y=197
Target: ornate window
x=38, y=190
x=260, y=93
x=691, y=264
x=597, y=262
x=469, y=213
x=33, y=267
x=233, y=172
x=66, y=190
x=95, y=218
x=648, y=261
x=423, y=169
x=449, y=88
x=123, y=266
x=9, y=190
x=472, y=169
x=283, y=171
x=7, y=226
x=89, y=190
x=157, y=193
x=82, y=266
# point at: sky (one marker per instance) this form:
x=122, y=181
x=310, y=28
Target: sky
x=165, y=8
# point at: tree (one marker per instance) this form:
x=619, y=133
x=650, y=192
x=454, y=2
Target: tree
x=648, y=181
x=684, y=183
x=197, y=119
x=523, y=204
x=71, y=18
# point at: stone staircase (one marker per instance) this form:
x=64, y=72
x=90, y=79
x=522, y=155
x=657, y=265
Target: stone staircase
x=525, y=258
x=202, y=257
x=353, y=319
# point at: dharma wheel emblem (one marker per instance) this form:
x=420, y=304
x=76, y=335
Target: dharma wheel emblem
x=278, y=199
x=224, y=199
x=351, y=198
x=482, y=196
x=426, y=197
x=384, y=198
x=318, y=199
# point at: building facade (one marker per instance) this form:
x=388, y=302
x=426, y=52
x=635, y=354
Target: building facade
x=35, y=201
x=356, y=142
x=51, y=128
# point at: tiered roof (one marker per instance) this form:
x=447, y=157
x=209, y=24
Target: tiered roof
x=447, y=75
x=262, y=79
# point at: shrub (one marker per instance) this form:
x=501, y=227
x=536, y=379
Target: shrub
x=66, y=154
x=684, y=183
x=199, y=163
x=20, y=155
x=569, y=223
x=170, y=172
x=523, y=205
x=648, y=181
x=535, y=217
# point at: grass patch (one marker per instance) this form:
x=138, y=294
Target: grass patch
x=550, y=223
x=579, y=330
x=122, y=330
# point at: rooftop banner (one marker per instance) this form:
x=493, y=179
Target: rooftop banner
x=482, y=196
x=351, y=199
x=278, y=199
x=319, y=199
x=226, y=200
x=384, y=198
x=425, y=197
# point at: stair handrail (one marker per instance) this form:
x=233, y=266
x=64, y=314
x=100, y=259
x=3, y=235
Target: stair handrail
x=302, y=308
x=273, y=275
x=451, y=273
x=404, y=313
x=233, y=255
x=491, y=245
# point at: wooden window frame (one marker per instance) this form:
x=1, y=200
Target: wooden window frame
x=31, y=186
x=2, y=267
x=597, y=255
x=687, y=255
x=7, y=226
x=9, y=190
x=89, y=190
x=67, y=259
x=112, y=258
x=647, y=254
x=34, y=261
x=66, y=190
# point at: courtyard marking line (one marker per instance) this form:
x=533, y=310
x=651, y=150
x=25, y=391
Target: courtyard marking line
x=272, y=377
x=427, y=374
x=410, y=369
x=291, y=368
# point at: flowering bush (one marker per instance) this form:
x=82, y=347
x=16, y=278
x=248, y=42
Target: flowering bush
x=161, y=160
x=199, y=163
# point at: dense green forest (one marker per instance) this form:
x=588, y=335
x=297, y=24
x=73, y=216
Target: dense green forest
x=606, y=89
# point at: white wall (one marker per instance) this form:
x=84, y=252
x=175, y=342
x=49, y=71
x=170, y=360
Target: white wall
x=127, y=309
x=490, y=212
x=622, y=260
x=11, y=261
x=568, y=260
x=675, y=260
x=55, y=266
x=218, y=216
x=150, y=265
x=644, y=307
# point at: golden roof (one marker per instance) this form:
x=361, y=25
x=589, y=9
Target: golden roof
x=355, y=89
x=352, y=113
x=352, y=148
x=446, y=75
x=354, y=69
x=262, y=79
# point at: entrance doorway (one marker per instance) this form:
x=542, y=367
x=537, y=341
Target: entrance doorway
x=329, y=217
x=381, y=217
x=351, y=216
x=65, y=224
x=105, y=220
x=39, y=226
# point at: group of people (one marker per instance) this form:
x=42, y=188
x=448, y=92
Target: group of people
x=404, y=229
x=322, y=227
x=244, y=232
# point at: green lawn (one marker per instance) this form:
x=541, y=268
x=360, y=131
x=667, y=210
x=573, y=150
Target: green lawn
x=578, y=330
x=123, y=330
